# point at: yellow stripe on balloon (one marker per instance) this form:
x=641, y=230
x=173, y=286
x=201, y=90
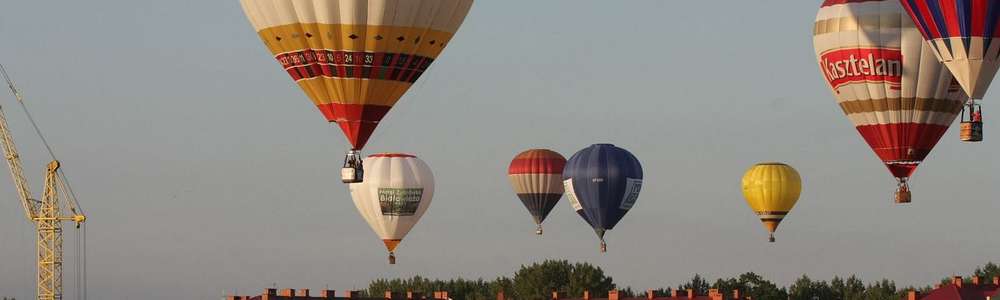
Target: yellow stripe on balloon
x=394, y=39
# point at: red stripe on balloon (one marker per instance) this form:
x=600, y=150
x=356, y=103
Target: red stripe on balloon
x=979, y=17
x=839, y=2
x=391, y=155
x=902, y=146
x=536, y=166
x=950, y=13
x=928, y=19
x=357, y=121
x=913, y=15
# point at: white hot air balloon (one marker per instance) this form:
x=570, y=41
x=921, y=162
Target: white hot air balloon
x=396, y=191
x=885, y=78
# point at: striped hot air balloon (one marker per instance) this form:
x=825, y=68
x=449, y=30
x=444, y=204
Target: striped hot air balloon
x=395, y=193
x=961, y=33
x=536, y=176
x=355, y=58
x=886, y=80
x=602, y=184
x=771, y=190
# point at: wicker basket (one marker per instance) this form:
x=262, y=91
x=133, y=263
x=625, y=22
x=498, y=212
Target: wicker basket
x=971, y=131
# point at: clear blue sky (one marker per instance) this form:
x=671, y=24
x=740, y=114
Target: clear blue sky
x=203, y=168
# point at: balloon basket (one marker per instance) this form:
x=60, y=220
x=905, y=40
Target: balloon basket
x=971, y=131
x=392, y=258
x=903, y=195
x=539, y=230
x=353, y=170
x=604, y=247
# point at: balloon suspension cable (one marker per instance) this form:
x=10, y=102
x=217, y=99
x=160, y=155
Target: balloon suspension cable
x=770, y=237
x=392, y=258
x=977, y=111
x=903, y=194
x=538, y=230
x=351, y=158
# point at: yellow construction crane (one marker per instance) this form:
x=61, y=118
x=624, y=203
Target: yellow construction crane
x=47, y=214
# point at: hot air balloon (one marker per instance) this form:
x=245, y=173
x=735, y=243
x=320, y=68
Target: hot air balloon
x=771, y=190
x=602, y=183
x=536, y=176
x=886, y=80
x=355, y=58
x=961, y=33
x=395, y=193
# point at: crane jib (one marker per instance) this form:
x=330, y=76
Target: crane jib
x=47, y=214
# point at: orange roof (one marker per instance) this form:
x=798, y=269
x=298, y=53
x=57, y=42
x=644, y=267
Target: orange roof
x=959, y=290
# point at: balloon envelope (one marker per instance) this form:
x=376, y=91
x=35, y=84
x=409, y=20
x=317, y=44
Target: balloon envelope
x=885, y=79
x=536, y=176
x=602, y=184
x=395, y=193
x=356, y=58
x=962, y=33
x=771, y=190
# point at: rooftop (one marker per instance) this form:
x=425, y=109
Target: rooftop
x=958, y=289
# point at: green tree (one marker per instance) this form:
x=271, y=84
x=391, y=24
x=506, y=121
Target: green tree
x=457, y=288
x=727, y=286
x=988, y=271
x=805, y=288
x=537, y=281
x=757, y=287
x=850, y=289
x=697, y=283
x=503, y=284
x=588, y=277
x=662, y=292
x=628, y=292
x=882, y=290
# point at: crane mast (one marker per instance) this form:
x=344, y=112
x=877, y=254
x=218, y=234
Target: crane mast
x=47, y=214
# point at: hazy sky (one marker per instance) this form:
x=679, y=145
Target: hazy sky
x=203, y=168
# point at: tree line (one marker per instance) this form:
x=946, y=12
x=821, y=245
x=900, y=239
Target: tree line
x=537, y=282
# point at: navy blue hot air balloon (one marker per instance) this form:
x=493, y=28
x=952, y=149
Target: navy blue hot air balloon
x=602, y=183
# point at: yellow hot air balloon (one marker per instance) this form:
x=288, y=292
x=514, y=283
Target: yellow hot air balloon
x=771, y=190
